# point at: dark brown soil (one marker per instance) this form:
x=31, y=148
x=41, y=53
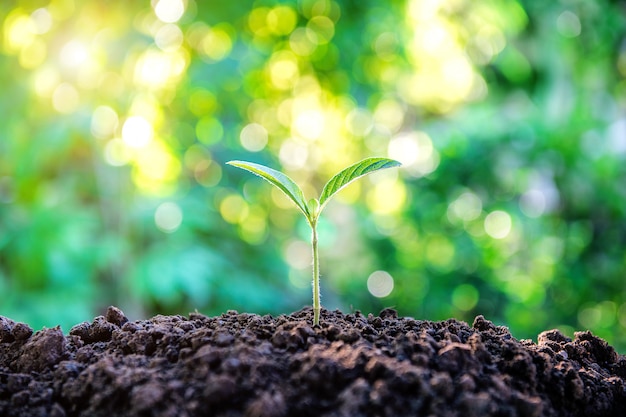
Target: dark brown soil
x=351, y=365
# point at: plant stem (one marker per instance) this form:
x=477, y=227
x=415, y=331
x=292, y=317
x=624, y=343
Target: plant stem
x=316, y=277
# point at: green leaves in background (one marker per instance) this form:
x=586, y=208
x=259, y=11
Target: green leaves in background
x=115, y=134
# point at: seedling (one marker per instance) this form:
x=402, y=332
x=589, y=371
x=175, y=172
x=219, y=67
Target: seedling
x=314, y=207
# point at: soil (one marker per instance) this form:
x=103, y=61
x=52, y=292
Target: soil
x=350, y=365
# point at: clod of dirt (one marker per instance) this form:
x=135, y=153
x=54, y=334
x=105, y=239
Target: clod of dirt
x=264, y=366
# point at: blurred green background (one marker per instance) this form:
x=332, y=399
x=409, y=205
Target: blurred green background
x=509, y=117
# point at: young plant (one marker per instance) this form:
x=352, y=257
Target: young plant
x=314, y=207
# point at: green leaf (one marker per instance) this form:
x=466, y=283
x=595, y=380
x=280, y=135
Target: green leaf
x=353, y=172
x=280, y=180
x=314, y=207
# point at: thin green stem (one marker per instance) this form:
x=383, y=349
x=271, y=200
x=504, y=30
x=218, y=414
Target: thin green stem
x=316, y=277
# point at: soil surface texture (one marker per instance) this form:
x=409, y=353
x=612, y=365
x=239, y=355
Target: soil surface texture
x=351, y=365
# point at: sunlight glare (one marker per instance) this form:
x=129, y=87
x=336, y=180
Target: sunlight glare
x=423, y=10
x=73, y=54
x=415, y=151
x=309, y=124
x=137, y=132
x=155, y=68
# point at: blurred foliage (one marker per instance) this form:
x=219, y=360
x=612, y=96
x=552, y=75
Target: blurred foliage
x=509, y=117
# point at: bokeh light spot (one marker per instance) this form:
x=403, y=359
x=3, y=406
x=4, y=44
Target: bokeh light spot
x=207, y=173
x=385, y=45
x=156, y=169
x=234, y=209
x=169, y=11
x=202, y=103
x=301, y=42
x=169, y=38
x=297, y=254
x=404, y=148
x=380, y=284
x=152, y=69
x=568, y=24
x=137, y=132
x=45, y=81
x=42, y=20
x=465, y=297
x=387, y=197
x=322, y=27
x=65, y=98
x=525, y=289
x=19, y=30
x=359, y=122
x=33, y=54
x=254, y=229
x=440, y=252
x=466, y=207
x=309, y=124
x=533, y=203
x=216, y=45
x=498, y=224
x=253, y=137
x=168, y=217
x=257, y=20
x=281, y=20
x=209, y=130
x=293, y=154
x=416, y=153
x=73, y=54
x=390, y=114
x=283, y=70
x=116, y=152
x=601, y=315
x=104, y=121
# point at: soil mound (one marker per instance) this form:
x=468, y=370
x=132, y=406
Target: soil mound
x=255, y=366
